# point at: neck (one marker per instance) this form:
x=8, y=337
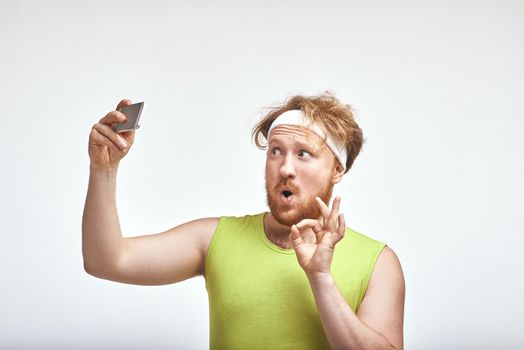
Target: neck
x=278, y=233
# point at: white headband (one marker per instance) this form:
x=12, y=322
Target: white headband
x=297, y=117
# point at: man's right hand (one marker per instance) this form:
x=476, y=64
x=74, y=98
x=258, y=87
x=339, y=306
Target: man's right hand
x=107, y=147
x=153, y=259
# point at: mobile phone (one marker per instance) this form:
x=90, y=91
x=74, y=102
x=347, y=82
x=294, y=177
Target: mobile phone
x=132, y=112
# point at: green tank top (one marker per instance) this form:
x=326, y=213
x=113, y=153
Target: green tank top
x=259, y=296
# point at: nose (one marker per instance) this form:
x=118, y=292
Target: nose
x=287, y=168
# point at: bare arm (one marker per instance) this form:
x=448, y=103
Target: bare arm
x=102, y=241
x=378, y=323
x=167, y=257
x=162, y=258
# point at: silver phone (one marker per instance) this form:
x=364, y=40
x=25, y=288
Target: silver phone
x=132, y=112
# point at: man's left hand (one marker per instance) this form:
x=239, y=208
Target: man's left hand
x=314, y=253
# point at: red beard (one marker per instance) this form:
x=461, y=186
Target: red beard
x=290, y=214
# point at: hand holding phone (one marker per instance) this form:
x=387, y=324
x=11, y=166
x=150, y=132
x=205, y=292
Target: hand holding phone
x=132, y=112
x=108, y=143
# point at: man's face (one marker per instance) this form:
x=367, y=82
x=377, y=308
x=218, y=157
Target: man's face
x=299, y=167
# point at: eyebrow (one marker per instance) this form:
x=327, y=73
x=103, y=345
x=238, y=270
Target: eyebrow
x=302, y=144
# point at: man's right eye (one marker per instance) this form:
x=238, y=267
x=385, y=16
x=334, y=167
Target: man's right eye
x=275, y=151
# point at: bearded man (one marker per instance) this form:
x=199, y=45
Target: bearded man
x=295, y=277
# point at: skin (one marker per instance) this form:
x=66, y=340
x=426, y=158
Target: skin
x=292, y=148
x=296, y=159
x=299, y=157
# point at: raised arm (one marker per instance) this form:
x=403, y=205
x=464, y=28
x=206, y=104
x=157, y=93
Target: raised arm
x=163, y=258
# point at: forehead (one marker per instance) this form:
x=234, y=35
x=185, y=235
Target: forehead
x=293, y=133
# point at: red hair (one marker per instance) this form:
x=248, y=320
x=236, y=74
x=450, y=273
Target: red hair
x=324, y=109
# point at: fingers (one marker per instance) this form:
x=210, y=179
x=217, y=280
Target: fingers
x=332, y=227
x=329, y=216
x=99, y=139
x=314, y=224
x=111, y=136
x=128, y=136
x=337, y=235
x=112, y=118
x=324, y=209
x=295, y=237
x=116, y=116
x=341, y=229
x=331, y=238
x=318, y=230
x=332, y=220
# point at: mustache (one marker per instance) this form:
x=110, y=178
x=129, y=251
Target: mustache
x=284, y=183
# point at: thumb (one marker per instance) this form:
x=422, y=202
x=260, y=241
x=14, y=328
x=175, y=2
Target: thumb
x=124, y=102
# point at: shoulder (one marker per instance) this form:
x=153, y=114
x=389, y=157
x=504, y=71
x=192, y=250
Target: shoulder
x=204, y=228
x=388, y=260
x=382, y=308
x=388, y=257
x=387, y=276
x=387, y=268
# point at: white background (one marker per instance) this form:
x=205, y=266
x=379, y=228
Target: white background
x=438, y=90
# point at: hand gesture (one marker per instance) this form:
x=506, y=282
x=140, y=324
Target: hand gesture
x=315, y=252
x=106, y=147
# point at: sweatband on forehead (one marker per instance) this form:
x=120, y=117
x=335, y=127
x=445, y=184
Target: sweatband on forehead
x=298, y=118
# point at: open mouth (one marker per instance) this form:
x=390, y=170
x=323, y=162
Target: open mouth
x=287, y=196
x=287, y=193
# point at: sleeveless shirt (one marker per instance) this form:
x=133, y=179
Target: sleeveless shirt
x=259, y=296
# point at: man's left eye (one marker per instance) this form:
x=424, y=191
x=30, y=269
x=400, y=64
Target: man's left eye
x=304, y=154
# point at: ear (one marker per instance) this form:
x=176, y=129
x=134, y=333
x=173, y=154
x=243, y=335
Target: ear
x=338, y=173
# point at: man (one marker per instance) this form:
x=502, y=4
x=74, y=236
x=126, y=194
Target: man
x=293, y=278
